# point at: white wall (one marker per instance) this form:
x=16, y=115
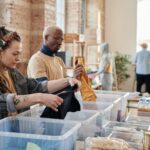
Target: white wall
x=120, y=25
x=120, y=31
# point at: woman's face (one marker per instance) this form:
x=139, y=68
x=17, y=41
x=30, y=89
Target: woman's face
x=10, y=56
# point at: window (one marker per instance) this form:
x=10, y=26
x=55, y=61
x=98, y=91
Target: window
x=143, y=21
x=60, y=14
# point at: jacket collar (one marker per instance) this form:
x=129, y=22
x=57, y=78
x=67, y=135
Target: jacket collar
x=47, y=51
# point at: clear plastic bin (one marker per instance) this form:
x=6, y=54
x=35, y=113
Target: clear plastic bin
x=135, y=137
x=138, y=119
x=119, y=99
x=83, y=116
x=102, y=104
x=126, y=126
x=102, y=143
x=33, y=112
x=116, y=110
x=87, y=118
x=16, y=133
x=132, y=133
x=105, y=110
x=119, y=93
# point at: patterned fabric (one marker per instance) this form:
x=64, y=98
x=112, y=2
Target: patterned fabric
x=41, y=65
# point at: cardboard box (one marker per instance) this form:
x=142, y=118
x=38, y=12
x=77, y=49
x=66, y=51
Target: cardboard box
x=70, y=37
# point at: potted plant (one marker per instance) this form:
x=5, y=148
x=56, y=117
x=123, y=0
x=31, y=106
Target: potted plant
x=121, y=62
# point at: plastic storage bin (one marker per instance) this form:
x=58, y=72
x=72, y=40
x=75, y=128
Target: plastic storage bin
x=119, y=99
x=134, y=139
x=102, y=143
x=34, y=112
x=107, y=102
x=115, y=114
x=105, y=110
x=126, y=126
x=111, y=92
x=16, y=133
x=132, y=133
x=87, y=118
x=138, y=119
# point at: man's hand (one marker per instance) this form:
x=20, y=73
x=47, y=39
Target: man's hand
x=78, y=70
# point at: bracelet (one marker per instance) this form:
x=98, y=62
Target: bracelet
x=68, y=81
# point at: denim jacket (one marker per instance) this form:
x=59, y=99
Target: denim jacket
x=23, y=86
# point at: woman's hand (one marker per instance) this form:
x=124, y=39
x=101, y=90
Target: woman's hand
x=25, y=101
x=50, y=100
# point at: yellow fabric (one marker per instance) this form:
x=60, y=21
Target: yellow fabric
x=41, y=65
x=86, y=90
x=9, y=82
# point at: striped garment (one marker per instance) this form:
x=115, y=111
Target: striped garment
x=41, y=65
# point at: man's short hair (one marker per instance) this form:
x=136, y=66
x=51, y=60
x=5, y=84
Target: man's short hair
x=50, y=30
x=144, y=45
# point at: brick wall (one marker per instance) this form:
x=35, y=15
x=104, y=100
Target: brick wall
x=95, y=16
x=102, y=18
x=50, y=12
x=43, y=14
x=28, y=18
x=73, y=25
x=15, y=15
x=94, y=33
x=73, y=16
x=92, y=14
x=37, y=24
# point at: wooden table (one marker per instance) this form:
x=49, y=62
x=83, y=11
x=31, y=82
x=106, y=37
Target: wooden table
x=132, y=104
